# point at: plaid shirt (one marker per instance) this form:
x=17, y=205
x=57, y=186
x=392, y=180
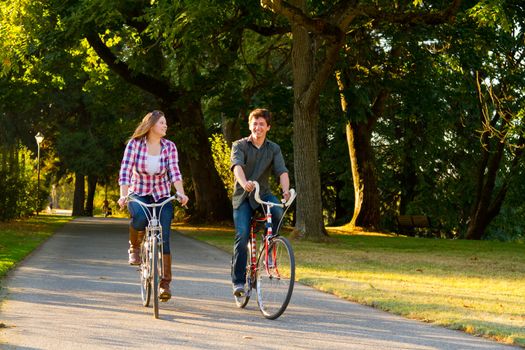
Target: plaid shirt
x=133, y=169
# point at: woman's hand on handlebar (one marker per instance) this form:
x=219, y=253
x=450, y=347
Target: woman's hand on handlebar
x=183, y=199
x=122, y=202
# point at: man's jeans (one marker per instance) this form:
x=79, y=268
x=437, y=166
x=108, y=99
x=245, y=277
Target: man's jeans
x=139, y=220
x=241, y=219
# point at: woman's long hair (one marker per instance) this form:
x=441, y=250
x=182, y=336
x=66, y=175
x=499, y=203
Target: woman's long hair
x=147, y=123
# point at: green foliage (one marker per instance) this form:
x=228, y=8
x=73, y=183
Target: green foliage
x=490, y=13
x=19, y=183
x=221, y=157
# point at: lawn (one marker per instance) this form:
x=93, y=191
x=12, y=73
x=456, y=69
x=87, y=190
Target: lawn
x=474, y=286
x=18, y=238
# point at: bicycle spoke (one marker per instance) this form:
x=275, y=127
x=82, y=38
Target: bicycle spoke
x=275, y=278
x=145, y=285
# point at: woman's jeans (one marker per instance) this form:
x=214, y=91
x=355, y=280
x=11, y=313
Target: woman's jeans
x=241, y=218
x=139, y=220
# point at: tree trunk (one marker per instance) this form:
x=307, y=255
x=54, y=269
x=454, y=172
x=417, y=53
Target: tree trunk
x=309, y=220
x=481, y=215
x=366, y=209
x=309, y=217
x=488, y=204
x=231, y=129
x=92, y=186
x=211, y=199
x=79, y=195
x=358, y=136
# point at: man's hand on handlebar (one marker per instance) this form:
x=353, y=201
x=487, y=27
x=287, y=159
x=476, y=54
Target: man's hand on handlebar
x=249, y=186
x=286, y=196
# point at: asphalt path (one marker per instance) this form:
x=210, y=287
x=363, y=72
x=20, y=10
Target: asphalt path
x=78, y=292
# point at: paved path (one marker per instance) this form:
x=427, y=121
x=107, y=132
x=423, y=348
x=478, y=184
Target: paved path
x=77, y=292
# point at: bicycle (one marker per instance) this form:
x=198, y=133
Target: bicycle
x=271, y=271
x=151, y=247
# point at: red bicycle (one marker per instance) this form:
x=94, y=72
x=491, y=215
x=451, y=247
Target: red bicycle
x=271, y=271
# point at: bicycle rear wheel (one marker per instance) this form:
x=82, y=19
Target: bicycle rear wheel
x=275, y=282
x=242, y=300
x=155, y=275
x=145, y=276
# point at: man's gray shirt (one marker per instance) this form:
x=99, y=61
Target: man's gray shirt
x=257, y=164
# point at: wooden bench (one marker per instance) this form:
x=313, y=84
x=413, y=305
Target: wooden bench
x=411, y=224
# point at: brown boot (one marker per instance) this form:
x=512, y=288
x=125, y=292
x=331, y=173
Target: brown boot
x=135, y=238
x=164, y=292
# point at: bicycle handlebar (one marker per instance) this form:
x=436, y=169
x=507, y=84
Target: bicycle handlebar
x=258, y=199
x=153, y=205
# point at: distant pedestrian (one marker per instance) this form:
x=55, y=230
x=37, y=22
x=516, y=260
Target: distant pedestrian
x=106, y=209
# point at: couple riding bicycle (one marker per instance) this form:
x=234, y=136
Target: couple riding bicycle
x=150, y=166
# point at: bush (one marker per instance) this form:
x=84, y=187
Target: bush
x=19, y=184
x=221, y=157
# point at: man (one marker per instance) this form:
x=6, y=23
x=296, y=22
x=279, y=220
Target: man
x=252, y=159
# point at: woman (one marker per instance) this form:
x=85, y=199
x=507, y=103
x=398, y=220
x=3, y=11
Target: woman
x=148, y=168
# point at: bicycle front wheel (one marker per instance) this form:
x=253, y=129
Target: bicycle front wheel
x=275, y=277
x=155, y=264
x=145, y=276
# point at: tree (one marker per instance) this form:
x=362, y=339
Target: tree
x=126, y=37
x=492, y=63
x=502, y=142
x=318, y=35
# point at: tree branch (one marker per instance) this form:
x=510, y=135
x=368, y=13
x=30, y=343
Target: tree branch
x=295, y=15
x=152, y=85
x=345, y=12
x=324, y=72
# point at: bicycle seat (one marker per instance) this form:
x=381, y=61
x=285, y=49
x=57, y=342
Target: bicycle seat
x=258, y=223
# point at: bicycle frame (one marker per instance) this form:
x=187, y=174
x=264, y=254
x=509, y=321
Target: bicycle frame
x=151, y=216
x=268, y=236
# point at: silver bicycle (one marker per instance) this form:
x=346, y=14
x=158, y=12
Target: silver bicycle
x=151, y=248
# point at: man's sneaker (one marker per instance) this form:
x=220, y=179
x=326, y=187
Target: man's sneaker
x=238, y=289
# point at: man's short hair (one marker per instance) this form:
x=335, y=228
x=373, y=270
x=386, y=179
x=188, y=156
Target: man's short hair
x=260, y=113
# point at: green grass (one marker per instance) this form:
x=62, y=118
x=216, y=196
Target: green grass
x=474, y=286
x=18, y=238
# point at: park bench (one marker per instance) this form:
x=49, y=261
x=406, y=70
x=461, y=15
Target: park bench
x=411, y=225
